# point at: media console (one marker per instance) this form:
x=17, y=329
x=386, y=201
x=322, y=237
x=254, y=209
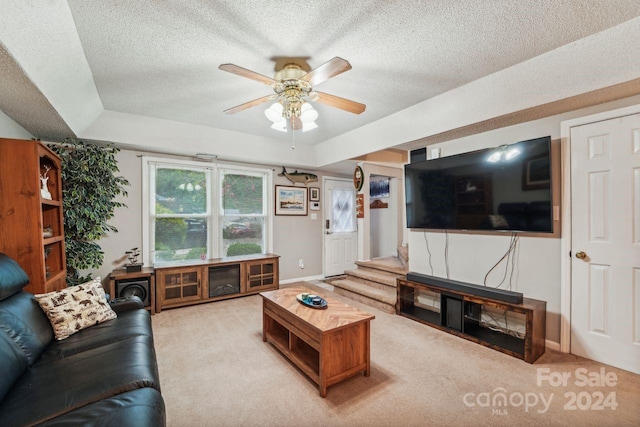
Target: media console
x=475, y=313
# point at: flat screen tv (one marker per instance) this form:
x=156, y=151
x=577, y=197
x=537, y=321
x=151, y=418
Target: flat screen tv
x=507, y=188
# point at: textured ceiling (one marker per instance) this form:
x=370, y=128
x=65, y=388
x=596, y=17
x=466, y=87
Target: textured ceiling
x=160, y=59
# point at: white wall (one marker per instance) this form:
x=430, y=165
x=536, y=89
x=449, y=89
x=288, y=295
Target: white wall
x=383, y=226
x=10, y=129
x=470, y=256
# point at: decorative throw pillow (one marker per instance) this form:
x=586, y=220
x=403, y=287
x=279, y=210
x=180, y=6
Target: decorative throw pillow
x=76, y=308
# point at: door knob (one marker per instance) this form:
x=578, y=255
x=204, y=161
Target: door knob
x=581, y=255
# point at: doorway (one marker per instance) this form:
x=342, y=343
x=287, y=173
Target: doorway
x=340, y=226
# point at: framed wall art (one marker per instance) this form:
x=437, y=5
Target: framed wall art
x=379, y=187
x=314, y=194
x=291, y=200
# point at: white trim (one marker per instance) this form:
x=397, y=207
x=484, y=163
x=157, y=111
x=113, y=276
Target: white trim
x=552, y=345
x=565, y=241
x=302, y=279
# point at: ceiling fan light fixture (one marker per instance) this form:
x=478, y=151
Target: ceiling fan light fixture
x=274, y=113
x=307, y=126
x=280, y=126
x=308, y=114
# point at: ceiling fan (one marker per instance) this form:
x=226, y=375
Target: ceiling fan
x=293, y=87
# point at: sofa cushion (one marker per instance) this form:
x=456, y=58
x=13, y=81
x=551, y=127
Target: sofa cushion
x=67, y=384
x=75, y=308
x=24, y=322
x=137, y=408
x=13, y=363
x=128, y=324
x=12, y=277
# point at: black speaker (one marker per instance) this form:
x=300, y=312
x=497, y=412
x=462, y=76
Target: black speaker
x=139, y=288
x=418, y=155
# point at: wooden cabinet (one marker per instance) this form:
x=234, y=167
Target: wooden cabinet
x=215, y=279
x=474, y=318
x=179, y=285
x=31, y=220
x=261, y=275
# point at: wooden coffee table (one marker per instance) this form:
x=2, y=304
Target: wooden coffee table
x=328, y=345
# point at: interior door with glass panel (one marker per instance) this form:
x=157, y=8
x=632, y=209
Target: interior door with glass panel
x=341, y=231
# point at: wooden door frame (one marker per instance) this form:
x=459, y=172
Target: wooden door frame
x=565, y=240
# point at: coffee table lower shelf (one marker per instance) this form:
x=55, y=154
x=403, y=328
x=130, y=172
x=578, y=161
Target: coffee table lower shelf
x=326, y=357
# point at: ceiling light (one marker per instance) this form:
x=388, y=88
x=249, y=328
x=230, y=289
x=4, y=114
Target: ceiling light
x=307, y=126
x=308, y=114
x=279, y=114
x=280, y=126
x=274, y=113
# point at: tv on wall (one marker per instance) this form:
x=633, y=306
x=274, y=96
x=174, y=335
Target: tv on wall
x=506, y=188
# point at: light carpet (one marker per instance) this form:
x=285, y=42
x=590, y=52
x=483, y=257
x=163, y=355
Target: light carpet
x=215, y=370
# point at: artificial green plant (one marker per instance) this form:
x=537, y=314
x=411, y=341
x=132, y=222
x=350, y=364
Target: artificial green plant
x=90, y=188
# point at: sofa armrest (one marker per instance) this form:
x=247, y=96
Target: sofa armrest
x=120, y=305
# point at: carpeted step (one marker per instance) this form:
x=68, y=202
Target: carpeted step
x=367, y=274
x=389, y=264
x=378, y=298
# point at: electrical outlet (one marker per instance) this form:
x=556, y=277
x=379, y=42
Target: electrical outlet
x=301, y=263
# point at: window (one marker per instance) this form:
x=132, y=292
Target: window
x=243, y=213
x=196, y=212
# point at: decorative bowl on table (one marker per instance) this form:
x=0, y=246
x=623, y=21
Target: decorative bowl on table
x=313, y=301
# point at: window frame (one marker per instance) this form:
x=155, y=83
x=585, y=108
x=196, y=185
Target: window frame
x=214, y=209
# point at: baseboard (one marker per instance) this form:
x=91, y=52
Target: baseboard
x=302, y=279
x=552, y=345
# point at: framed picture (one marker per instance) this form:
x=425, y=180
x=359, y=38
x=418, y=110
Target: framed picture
x=536, y=173
x=291, y=200
x=314, y=194
x=379, y=187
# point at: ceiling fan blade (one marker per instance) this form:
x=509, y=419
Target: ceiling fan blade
x=327, y=70
x=249, y=104
x=243, y=72
x=342, y=103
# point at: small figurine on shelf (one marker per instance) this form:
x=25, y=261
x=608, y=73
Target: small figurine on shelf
x=44, y=191
x=132, y=256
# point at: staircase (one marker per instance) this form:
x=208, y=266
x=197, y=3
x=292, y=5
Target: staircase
x=372, y=282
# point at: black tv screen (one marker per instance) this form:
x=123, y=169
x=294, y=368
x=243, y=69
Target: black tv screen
x=507, y=188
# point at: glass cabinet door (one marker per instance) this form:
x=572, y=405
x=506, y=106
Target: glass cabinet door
x=260, y=275
x=181, y=285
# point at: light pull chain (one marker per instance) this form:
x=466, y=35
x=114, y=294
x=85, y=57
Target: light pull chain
x=293, y=134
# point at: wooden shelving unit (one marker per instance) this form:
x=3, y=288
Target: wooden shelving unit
x=460, y=313
x=208, y=280
x=31, y=226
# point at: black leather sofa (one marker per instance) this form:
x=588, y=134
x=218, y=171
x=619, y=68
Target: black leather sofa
x=105, y=375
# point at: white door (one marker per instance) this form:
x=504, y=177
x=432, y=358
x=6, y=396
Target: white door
x=605, y=242
x=341, y=230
